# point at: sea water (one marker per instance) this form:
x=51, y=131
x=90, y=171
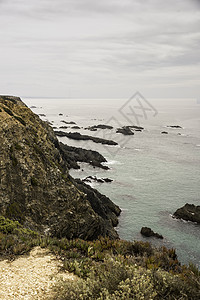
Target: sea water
x=153, y=173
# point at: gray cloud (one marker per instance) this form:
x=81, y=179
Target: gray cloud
x=99, y=49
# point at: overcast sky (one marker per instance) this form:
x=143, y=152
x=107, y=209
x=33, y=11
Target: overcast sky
x=100, y=48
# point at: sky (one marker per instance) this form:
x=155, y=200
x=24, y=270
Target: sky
x=100, y=48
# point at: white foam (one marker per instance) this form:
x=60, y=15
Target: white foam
x=112, y=162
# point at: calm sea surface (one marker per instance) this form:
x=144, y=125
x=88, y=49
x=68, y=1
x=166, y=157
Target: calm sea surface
x=153, y=173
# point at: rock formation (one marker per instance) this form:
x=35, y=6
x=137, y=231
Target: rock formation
x=35, y=186
x=84, y=137
x=100, y=126
x=188, y=212
x=148, y=232
x=175, y=126
x=73, y=155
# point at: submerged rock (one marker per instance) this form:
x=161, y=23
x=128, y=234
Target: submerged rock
x=35, y=186
x=189, y=212
x=148, y=232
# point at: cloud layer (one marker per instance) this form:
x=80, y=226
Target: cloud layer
x=90, y=48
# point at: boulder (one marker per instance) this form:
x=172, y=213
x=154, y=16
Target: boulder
x=148, y=232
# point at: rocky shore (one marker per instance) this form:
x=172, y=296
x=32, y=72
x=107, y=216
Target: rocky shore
x=73, y=155
x=189, y=212
x=36, y=188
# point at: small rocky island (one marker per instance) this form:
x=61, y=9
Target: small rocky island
x=84, y=137
x=189, y=212
x=148, y=232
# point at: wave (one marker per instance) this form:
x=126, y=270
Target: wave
x=112, y=162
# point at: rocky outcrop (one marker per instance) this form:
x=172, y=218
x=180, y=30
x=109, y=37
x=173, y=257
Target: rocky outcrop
x=94, y=178
x=100, y=126
x=189, y=212
x=76, y=127
x=135, y=127
x=73, y=155
x=174, y=126
x=148, y=232
x=35, y=186
x=101, y=204
x=71, y=122
x=84, y=137
x=126, y=130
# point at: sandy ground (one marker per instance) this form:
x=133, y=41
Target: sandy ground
x=31, y=276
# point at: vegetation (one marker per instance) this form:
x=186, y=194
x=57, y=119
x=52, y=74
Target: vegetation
x=20, y=120
x=34, y=181
x=108, y=269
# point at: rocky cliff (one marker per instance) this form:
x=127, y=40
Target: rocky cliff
x=35, y=186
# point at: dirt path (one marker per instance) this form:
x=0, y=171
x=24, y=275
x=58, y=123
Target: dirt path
x=31, y=276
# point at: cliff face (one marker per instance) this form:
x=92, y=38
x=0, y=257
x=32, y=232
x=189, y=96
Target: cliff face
x=35, y=187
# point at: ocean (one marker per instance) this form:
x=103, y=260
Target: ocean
x=153, y=173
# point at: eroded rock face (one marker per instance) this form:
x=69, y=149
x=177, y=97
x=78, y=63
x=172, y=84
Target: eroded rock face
x=35, y=187
x=188, y=212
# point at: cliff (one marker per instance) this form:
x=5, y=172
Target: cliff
x=35, y=186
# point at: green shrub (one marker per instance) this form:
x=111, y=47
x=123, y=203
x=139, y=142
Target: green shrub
x=14, y=212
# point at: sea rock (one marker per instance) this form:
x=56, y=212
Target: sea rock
x=94, y=178
x=63, y=127
x=164, y=132
x=73, y=155
x=100, y=126
x=60, y=114
x=35, y=186
x=136, y=127
x=189, y=212
x=78, y=136
x=75, y=127
x=126, y=130
x=71, y=122
x=174, y=126
x=42, y=115
x=148, y=232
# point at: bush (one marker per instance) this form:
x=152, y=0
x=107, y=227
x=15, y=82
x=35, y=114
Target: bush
x=108, y=269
